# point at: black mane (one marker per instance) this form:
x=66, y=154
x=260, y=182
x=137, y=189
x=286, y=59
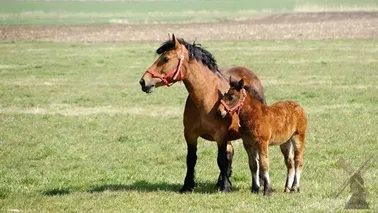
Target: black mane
x=254, y=93
x=195, y=52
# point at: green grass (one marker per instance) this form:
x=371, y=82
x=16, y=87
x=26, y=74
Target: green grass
x=95, y=12
x=78, y=135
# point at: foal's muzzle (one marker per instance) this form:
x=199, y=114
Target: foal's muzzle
x=146, y=88
x=222, y=113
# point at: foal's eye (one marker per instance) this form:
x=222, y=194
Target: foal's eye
x=229, y=97
x=165, y=59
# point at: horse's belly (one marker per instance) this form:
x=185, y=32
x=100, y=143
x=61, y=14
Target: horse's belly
x=207, y=137
x=218, y=130
x=233, y=135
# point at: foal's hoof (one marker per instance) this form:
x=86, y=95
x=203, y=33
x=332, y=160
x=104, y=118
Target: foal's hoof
x=268, y=192
x=287, y=190
x=295, y=189
x=186, y=189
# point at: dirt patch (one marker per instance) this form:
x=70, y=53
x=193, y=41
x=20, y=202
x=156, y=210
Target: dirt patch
x=289, y=26
x=68, y=110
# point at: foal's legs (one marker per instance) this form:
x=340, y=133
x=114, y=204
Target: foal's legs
x=287, y=151
x=299, y=141
x=191, y=160
x=230, y=155
x=253, y=160
x=264, y=167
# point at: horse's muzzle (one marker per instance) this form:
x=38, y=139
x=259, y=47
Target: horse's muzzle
x=146, y=88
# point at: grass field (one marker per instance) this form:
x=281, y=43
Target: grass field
x=78, y=135
x=97, y=12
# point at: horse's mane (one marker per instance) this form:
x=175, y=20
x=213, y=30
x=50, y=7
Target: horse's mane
x=195, y=52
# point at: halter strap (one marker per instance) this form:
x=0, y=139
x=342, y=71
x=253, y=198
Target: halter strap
x=237, y=107
x=175, y=73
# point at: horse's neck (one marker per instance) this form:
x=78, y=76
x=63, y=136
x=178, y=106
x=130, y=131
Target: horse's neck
x=203, y=86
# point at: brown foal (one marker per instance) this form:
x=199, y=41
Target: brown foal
x=283, y=123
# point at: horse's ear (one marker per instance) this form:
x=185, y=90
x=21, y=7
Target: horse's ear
x=230, y=79
x=175, y=41
x=241, y=83
x=169, y=36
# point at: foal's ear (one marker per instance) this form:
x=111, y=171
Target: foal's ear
x=241, y=83
x=175, y=41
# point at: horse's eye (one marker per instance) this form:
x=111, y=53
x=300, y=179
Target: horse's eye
x=230, y=97
x=165, y=59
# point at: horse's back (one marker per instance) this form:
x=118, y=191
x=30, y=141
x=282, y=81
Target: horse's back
x=243, y=72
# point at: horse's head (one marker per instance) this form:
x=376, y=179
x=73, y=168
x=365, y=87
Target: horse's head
x=233, y=100
x=166, y=70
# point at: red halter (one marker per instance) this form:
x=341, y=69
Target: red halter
x=175, y=73
x=237, y=107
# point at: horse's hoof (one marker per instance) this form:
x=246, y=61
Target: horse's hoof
x=182, y=190
x=186, y=189
x=226, y=189
x=256, y=190
x=287, y=190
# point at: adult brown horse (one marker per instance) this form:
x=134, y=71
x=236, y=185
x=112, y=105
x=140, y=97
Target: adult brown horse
x=283, y=123
x=206, y=84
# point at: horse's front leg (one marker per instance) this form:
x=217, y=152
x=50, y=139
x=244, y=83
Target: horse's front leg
x=224, y=167
x=230, y=155
x=191, y=160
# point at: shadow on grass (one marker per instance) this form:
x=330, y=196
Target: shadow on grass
x=57, y=192
x=144, y=186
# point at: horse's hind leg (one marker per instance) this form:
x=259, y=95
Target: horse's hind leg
x=298, y=141
x=191, y=160
x=230, y=155
x=287, y=152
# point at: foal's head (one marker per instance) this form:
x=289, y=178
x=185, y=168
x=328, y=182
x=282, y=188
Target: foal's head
x=233, y=100
x=166, y=70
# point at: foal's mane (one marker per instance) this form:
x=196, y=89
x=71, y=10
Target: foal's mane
x=251, y=91
x=254, y=93
x=195, y=52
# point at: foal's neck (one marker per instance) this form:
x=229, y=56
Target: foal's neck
x=203, y=85
x=252, y=106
